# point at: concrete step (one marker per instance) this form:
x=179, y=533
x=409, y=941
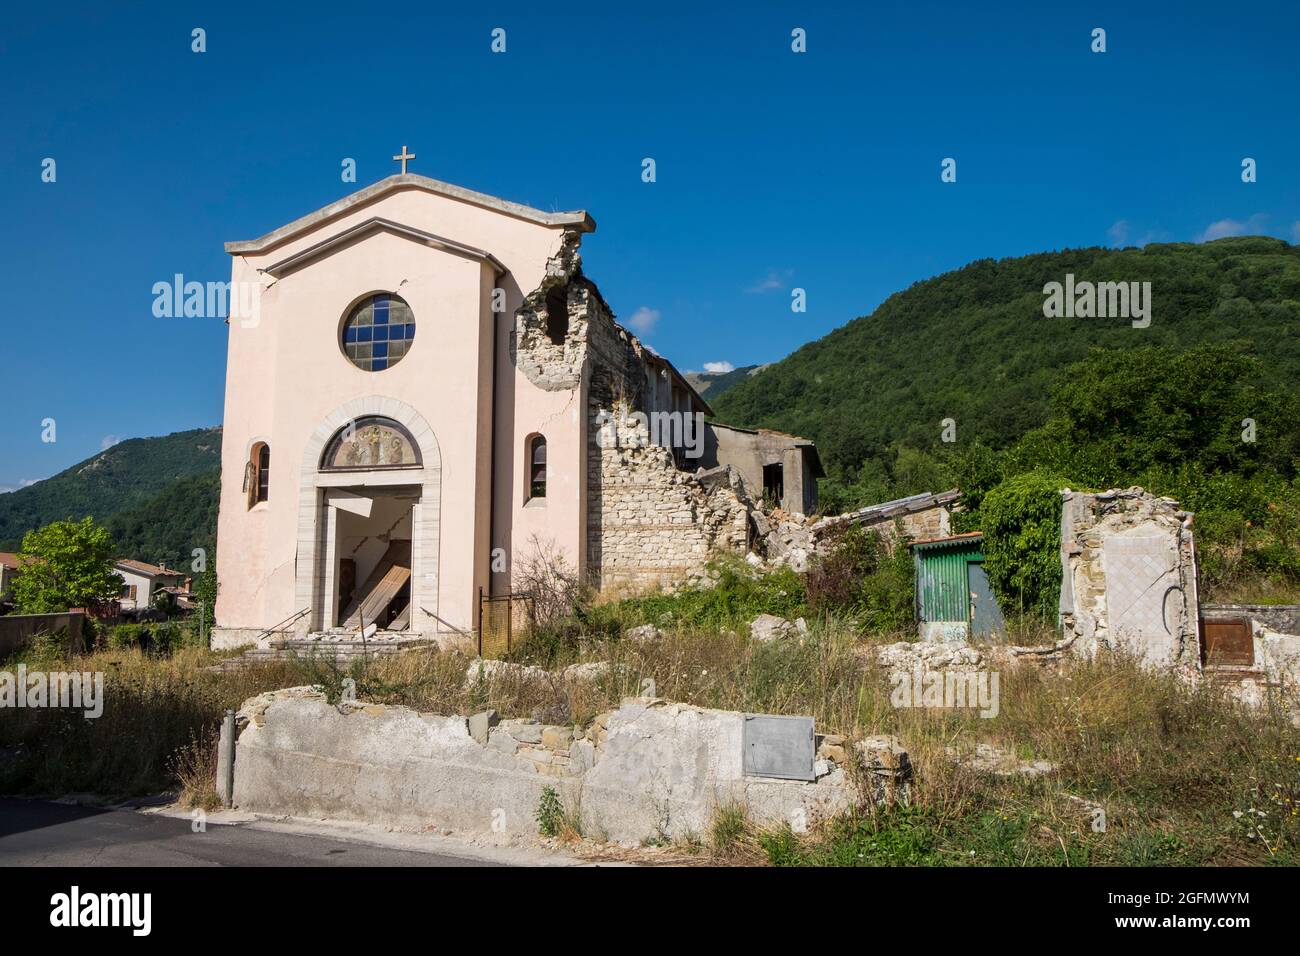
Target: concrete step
x=340, y=651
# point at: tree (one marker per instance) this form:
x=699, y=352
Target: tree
x=205, y=595
x=65, y=564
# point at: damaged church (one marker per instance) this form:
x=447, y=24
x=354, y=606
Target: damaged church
x=430, y=387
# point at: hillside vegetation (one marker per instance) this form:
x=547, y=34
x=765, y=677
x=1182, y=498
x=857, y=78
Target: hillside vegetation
x=146, y=489
x=973, y=345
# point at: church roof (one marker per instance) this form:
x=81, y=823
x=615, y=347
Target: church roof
x=577, y=218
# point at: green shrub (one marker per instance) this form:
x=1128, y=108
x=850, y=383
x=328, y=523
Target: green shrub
x=126, y=637
x=550, y=813
x=860, y=576
x=165, y=638
x=1021, y=521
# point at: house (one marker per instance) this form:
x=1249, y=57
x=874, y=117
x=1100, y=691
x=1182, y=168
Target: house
x=141, y=582
x=425, y=392
x=8, y=568
x=776, y=467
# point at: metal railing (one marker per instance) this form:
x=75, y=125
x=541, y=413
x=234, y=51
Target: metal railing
x=279, y=627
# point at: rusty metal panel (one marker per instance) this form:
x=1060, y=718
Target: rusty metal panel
x=1227, y=641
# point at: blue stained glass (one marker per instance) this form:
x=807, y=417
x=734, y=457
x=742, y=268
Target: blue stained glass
x=381, y=350
x=363, y=333
x=379, y=365
x=381, y=333
x=410, y=330
x=350, y=334
x=381, y=310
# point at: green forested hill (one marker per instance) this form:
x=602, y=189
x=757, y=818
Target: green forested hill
x=170, y=525
x=973, y=345
x=131, y=479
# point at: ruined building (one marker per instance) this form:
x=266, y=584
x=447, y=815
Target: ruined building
x=423, y=387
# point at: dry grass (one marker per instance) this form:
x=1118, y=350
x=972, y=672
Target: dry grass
x=1182, y=773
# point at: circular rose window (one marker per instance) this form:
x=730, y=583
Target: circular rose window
x=378, y=332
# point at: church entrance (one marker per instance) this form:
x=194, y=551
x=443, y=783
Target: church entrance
x=372, y=555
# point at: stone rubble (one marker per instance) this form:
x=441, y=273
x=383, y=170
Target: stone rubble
x=769, y=627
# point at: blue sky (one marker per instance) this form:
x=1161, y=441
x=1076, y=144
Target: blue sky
x=774, y=169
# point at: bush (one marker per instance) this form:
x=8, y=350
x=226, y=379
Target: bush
x=1021, y=521
x=126, y=637
x=165, y=638
x=862, y=577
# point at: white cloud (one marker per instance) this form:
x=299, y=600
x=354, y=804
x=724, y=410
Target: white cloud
x=1232, y=227
x=774, y=280
x=718, y=368
x=1118, y=233
x=108, y=441
x=644, y=320
x=22, y=483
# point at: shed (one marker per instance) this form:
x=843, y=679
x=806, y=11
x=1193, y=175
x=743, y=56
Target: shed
x=954, y=601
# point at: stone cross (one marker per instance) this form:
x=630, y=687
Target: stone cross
x=403, y=159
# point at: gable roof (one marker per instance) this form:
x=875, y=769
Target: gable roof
x=577, y=218
x=378, y=224
x=142, y=567
x=9, y=559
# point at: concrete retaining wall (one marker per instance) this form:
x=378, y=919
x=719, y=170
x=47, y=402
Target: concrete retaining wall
x=649, y=769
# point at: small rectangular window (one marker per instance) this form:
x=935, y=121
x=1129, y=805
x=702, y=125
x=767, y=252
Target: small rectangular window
x=264, y=473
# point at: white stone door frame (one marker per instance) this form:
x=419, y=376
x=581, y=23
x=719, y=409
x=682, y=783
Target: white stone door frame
x=318, y=522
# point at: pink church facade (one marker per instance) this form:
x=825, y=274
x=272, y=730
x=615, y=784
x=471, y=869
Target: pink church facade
x=416, y=397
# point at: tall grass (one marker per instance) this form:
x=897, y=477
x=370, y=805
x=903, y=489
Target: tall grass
x=1183, y=773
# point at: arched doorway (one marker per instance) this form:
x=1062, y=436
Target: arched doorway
x=369, y=520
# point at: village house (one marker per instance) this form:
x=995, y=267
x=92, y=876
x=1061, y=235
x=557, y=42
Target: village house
x=142, y=581
x=429, y=392
x=8, y=568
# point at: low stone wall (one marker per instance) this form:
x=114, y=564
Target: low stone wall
x=17, y=630
x=650, y=769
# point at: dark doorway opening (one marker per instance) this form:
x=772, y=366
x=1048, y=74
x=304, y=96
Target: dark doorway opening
x=774, y=483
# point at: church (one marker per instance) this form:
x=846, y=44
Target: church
x=428, y=392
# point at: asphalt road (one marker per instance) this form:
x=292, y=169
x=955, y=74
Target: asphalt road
x=35, y=833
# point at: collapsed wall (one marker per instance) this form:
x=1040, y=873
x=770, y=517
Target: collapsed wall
x=652, y=520
x=648, y=770
x=1128, y=578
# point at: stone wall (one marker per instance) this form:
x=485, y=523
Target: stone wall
x=1129, y=577
x=650, y=769
x=649, y=523
x=655, y=516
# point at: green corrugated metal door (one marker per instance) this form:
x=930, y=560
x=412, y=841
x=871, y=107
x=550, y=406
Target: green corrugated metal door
x=945, y=595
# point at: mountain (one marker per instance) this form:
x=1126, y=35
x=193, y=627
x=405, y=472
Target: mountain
x=129, y=479
x=714, y=384
x=169, y=526
x=974, y=345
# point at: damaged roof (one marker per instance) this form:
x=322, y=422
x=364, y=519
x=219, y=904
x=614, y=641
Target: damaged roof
x=894, y=509
x=577, y=219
